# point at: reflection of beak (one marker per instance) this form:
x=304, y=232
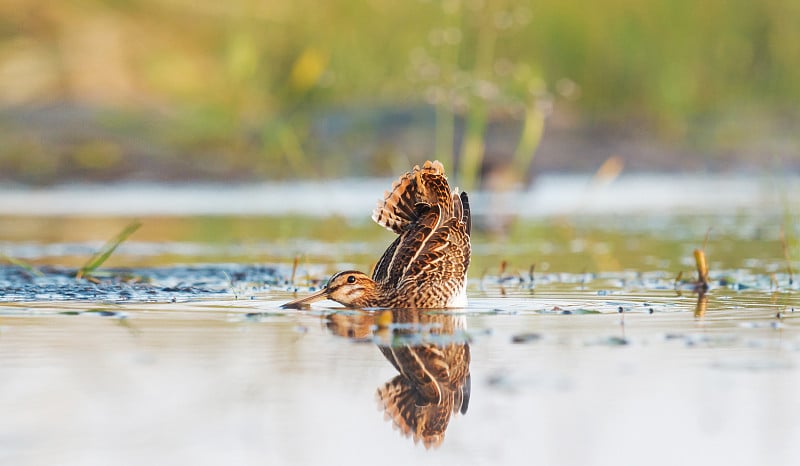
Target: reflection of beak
x=305, y=301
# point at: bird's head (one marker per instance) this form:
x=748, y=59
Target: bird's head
x=351, y=288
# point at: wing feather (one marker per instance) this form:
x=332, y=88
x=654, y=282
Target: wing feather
x=443, y=258
x=408, y=245
x=382, y=268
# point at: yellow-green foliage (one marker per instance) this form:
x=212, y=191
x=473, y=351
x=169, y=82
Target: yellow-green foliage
x=230, y=73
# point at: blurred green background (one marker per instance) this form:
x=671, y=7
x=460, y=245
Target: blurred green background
x=180, y=90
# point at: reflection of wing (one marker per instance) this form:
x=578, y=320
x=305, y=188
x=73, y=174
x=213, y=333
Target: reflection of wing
x=420, y=403
x=460, y=379
x=426, y=422
x=424, y=366
x=434, y=381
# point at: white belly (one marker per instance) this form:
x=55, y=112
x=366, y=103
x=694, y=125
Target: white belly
x=459, y=299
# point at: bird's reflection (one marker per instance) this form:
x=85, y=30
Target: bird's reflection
x=431, y=353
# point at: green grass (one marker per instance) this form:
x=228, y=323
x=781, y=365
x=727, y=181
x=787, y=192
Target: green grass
x=22, y=264
x=90, y=267
x=245, y=81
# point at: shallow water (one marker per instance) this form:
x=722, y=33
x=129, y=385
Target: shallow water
x=180, y=354
x=224, y=381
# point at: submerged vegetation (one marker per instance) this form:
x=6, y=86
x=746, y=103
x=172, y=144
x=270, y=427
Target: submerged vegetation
x=294, y=89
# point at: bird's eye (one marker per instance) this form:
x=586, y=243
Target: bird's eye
x=351, y=279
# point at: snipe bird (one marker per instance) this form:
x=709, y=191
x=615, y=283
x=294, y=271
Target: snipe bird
x=426, y=266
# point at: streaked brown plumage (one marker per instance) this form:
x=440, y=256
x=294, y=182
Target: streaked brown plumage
x=434, y=381
x=426, y=266
x=432, y=356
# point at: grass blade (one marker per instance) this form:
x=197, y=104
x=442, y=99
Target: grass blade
x=22, y=264
x=105, y=252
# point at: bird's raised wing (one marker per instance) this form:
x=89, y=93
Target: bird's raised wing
x=441, y=253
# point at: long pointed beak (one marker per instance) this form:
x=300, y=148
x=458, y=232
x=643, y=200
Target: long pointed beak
x=306, y=300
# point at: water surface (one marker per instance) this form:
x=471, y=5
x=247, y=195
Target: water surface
x=583, y=348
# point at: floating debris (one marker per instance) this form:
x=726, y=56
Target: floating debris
x=259, y=316
x=95, y=312
x=567, y=312
x=617, y=341
x=102, y=313
x=526, y=337
x=497, y=311
x=762, y=324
